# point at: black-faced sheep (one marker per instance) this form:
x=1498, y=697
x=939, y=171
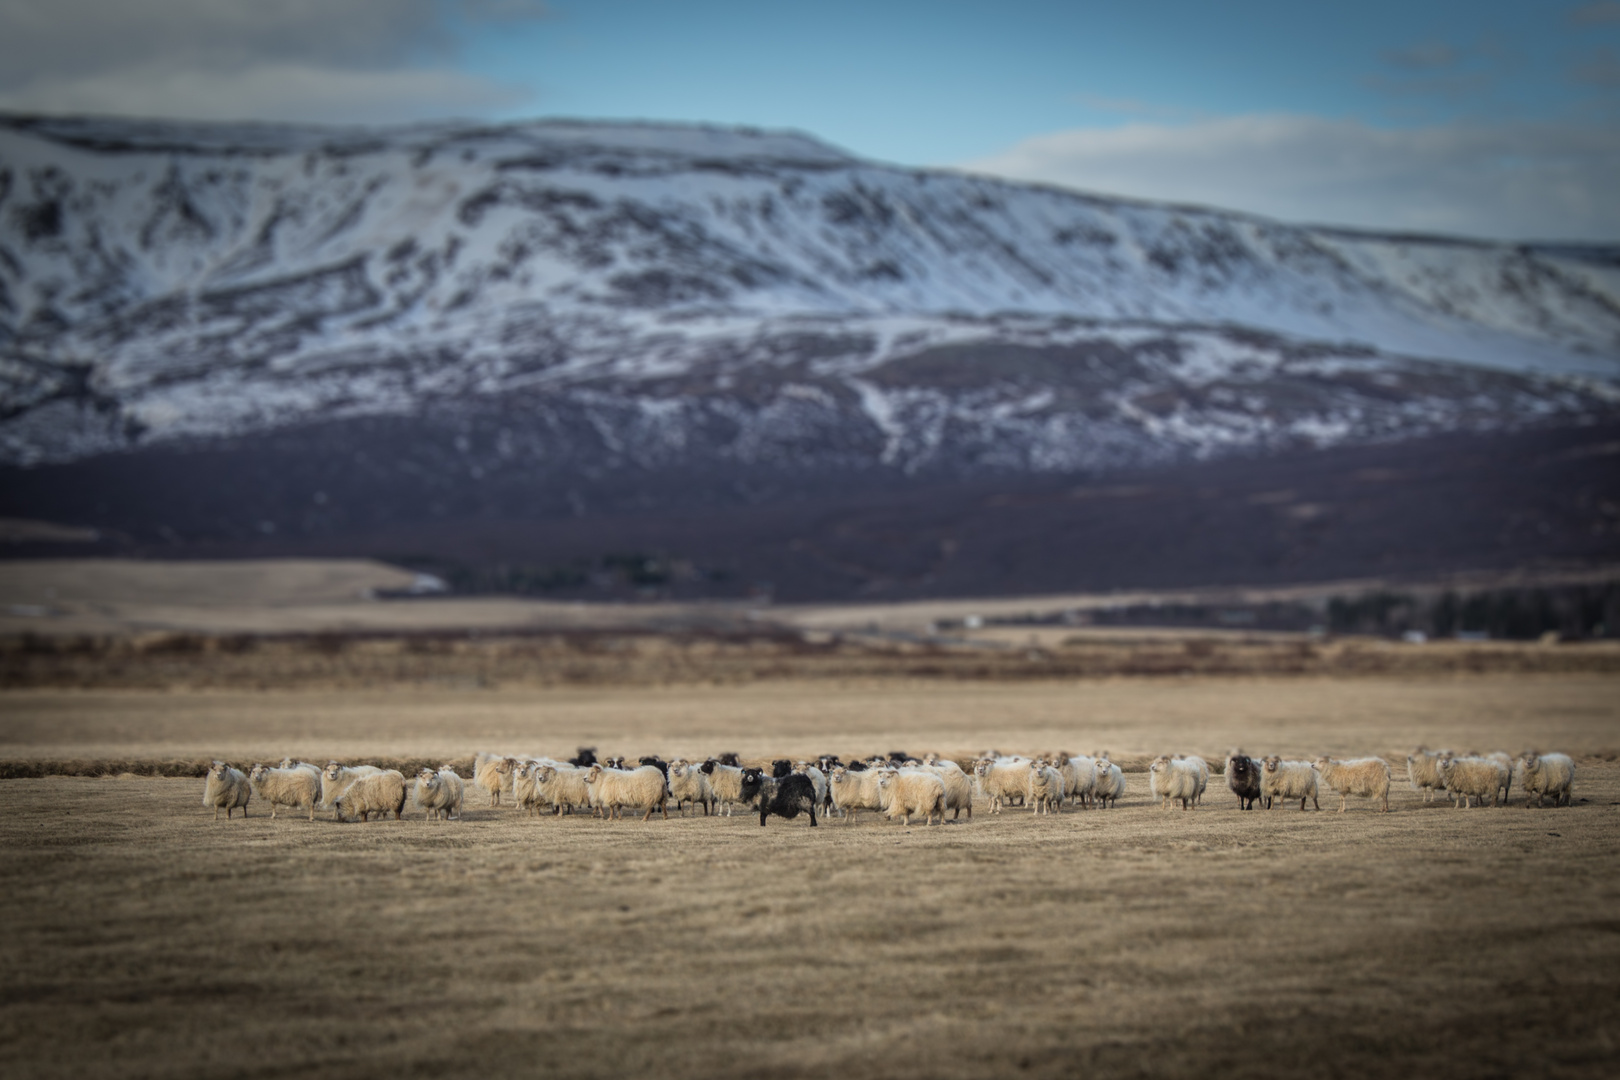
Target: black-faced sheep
x=226, y=788
x=1243, y=777
x=725, y=781
x=786, y=796
x=1366, y=777
x=1546, y=774
x=300, y=788
x=641, y=788
x=1288, y=780
x=381, y=793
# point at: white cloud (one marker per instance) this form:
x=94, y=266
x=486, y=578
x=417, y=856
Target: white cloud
x=1519, y=182
x=358, y=60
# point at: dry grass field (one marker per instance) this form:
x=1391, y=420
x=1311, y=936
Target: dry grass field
x=145, y=939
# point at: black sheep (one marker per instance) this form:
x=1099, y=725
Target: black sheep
x=787, y=797
x=1243, y=777
x=584, y=759
x=781, y=767
x=659, y=763
x=727, y=758
x=856, y=766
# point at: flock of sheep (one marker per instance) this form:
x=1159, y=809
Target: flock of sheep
x=902, y=787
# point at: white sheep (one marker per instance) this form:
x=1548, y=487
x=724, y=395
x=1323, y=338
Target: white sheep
x=564, y=787
x=1367, y=777
x=526, y=784
x=638, y=788
x=1506, y=761
x=688, y=784
x=1174, y=779
x=1546, y=774
x=904, y=792
x=335, y=780
x=296, y=787
x=380, y=793
x=438, y=794
x=1423, y=772
x=1046, y=789
x=1468, y=778
x=725, y=782
x=853, y=790
x=1110, y=782
x=1203, y=774
x=493, y=773
x=1288, y=780
x=958, y=788
x=1002, y=779
x=1079, y=776
x=289, y=763
x=226, y=788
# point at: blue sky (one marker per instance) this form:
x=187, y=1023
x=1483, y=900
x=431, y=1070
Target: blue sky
x=1495, y=118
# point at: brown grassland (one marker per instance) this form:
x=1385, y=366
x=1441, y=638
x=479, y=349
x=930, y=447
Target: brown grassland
x=144, y=938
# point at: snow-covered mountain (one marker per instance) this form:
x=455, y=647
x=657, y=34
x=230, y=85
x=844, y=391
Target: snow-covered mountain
x=663, y=293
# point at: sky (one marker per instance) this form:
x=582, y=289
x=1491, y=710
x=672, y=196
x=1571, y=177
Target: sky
x=1488, y=118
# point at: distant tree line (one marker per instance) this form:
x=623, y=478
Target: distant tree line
x=1571, y=611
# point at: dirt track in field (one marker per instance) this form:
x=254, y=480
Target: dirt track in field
x=145, y=938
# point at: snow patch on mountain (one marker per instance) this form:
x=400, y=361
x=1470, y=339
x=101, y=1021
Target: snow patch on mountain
x=749, y=292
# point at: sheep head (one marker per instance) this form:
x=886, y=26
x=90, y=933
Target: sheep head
x=753, y=785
